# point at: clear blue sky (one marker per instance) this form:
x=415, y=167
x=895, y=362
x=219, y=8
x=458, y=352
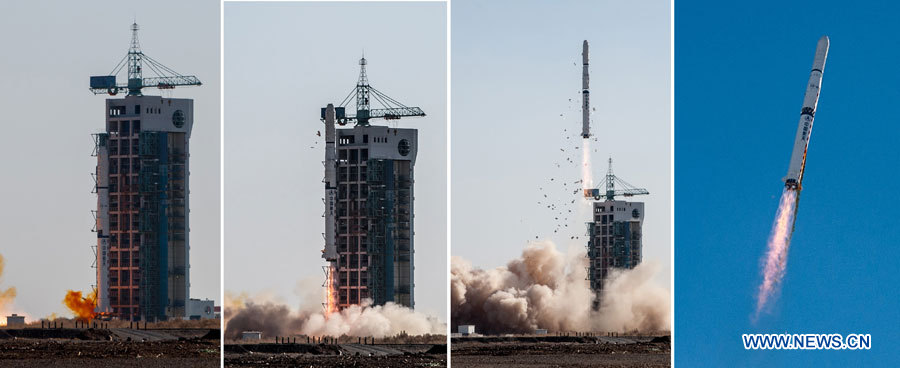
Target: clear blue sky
x=741, y=71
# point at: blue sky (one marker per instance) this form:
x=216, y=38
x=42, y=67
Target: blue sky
x=741, y=71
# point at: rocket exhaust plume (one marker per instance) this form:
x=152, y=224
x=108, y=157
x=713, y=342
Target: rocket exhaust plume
x=330, y=303
x=587, y=179
x=775, y=261
x=82, y=307
x=6, y=296
x=545, y=288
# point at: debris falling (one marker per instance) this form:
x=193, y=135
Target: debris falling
x=775, y=261
x=545, y=288
x=82, y=307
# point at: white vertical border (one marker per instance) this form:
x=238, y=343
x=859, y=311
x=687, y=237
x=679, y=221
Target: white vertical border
x=449, y=176
x=672, y=173
x=222, y=183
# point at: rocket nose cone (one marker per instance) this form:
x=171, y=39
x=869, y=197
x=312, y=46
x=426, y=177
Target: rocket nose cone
x=821, y=53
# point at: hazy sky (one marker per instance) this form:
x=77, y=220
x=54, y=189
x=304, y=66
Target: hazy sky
x=284, y=61
x=516, y=79
x=50, y=49
x=740, y=86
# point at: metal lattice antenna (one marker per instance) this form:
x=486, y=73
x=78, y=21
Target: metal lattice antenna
x=610, y=191
x=610, y=182
x=363, y=95
x=362, y=90
x=134, y=62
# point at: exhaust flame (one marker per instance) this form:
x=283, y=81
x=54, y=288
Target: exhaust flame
x=81, y=307
x=6, y=296
x=330, y=293
x=587, y=180
x=779, y=243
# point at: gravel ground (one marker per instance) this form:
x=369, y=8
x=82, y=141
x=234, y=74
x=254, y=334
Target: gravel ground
x=511, y=353
x=335, y=355
x=102, y=354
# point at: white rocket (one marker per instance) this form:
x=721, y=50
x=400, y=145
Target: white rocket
x=330, y=251
x=585, y=94
x=801, y=143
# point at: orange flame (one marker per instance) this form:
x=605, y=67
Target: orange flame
x=82, y=307
x=330, y=293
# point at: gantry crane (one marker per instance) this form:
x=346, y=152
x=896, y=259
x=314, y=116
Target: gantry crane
x=165, y=77
x=610, y=191
x=362, y=94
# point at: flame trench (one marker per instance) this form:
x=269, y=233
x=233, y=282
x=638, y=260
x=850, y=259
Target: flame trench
x=777, y=253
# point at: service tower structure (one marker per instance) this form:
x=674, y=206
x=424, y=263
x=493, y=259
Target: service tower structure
x=141, y=182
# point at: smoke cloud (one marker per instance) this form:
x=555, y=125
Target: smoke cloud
x=6, y=296
x=272, y=318
x=545, y=288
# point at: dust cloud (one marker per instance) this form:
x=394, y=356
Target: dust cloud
x=272, y=318
x=545, y=288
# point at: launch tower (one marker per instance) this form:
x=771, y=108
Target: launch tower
x=141, y=182
x=369, y=185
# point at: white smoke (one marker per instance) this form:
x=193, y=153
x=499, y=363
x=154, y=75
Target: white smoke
x=544, y=288
x=244, y=313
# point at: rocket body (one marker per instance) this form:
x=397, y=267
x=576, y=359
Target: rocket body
x=585, y=94
x=797, y=165
x=330, y=251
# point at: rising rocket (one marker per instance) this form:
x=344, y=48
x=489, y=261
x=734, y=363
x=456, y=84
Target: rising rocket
x=330, y=250
x=794, y=176
x=585, y=94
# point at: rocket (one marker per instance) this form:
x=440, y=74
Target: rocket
x=585, y=94
x=807, y=114
x=330, y=251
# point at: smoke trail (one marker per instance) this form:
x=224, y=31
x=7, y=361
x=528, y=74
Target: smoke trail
x=779, y=242
x=82, y=307
x=544, y=288
x=276, y=319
